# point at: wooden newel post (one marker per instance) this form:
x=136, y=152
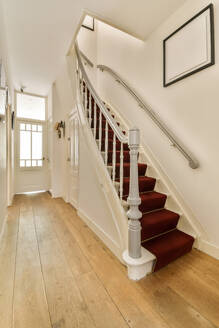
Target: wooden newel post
x=134, y=215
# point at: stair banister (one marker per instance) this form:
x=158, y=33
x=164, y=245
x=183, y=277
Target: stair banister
x=193, y=162
x=135, y=257
x=122, y=138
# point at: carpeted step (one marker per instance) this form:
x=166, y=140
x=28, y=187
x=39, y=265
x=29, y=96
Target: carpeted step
x=103, y=124
x=158, y=222
x=110, y=145
x=152, y=201
x=125, y=154
x=126, y=169
x=110, y=134
x=169, y=247
x=145, y=184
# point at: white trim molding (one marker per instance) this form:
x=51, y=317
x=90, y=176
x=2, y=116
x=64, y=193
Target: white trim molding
x=209, y=248
x=103, y=235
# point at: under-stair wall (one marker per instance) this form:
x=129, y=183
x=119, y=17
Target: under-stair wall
x=189, y=108
x=91, y=203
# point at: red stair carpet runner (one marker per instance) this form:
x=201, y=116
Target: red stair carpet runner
x=159, y=233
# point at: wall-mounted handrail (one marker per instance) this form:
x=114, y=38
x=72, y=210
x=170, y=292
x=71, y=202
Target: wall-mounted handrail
x=116, y=129
x=193, y=162
x=86, y=59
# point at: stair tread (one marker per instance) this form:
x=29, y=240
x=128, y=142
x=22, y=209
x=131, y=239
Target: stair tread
x=158, y=222
x=152, y=195
x=145, y=184
x=169, y=247
x=152, y=200
x=126, y=169
x=141, y=178
x=128, y=165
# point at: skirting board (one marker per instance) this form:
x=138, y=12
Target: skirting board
x=107, y=240
x=209, y=248
x=73, y=203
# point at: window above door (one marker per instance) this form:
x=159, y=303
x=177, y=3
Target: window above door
x=31, y=107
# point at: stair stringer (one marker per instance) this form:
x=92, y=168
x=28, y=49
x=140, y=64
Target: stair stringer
x=118, y=213
x=187, y=223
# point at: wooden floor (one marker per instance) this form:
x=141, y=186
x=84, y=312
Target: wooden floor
x=54, y=272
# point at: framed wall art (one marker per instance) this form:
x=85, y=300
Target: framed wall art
x=190, y=48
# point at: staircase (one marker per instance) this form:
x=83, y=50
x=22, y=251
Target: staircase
x=158, y=225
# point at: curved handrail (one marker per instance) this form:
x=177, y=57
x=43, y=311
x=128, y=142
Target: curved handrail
x=116, y=129
x=193, y=162
x=87, y=60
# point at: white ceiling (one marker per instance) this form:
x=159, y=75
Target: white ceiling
x=39, y=32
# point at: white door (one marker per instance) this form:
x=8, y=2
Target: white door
x=31, y=158
x=73, y=159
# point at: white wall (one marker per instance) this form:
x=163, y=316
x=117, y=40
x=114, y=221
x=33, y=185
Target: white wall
x=62, y=104
x=189, y=108
x=5, y=176
x=92, y=204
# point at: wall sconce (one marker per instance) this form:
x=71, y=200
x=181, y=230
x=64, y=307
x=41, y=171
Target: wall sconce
x=58, y=126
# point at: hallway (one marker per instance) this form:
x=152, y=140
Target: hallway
x=54, y=272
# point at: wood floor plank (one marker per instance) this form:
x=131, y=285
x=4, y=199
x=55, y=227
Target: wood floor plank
x=173, y=308
x=73, y=280
x=30, y=305
x=203, y=297
x=66, y=304
x=7, y=266
x=103, y=310
x=136, y=310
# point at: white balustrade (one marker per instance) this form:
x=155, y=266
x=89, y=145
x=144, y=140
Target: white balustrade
x=106, y=143
x=133, y=200
x=121, y=172
x=90, y=104
x=114, y=158
x=100, y=131
x=95, y=120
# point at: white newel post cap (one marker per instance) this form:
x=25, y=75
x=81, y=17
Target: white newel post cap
x=134, y=136
x=139, y=268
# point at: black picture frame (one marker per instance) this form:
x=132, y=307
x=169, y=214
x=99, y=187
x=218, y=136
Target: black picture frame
x=89, y=28
x=210, y=7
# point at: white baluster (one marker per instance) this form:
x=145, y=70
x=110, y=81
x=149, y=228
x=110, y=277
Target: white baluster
x=90, y=106
x=85, y=101
x=114, y=158
x=95, y=120
x=78, y=76
x=106, y=143
x=121, y=171
x=134, y=215
x=100, y=131
x=81, y=82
